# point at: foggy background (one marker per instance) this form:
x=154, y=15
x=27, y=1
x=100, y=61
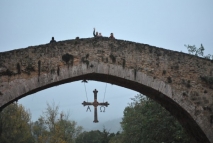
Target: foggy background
x=166, y=24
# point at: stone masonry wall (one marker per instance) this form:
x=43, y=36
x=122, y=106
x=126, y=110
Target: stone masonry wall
x=184, y=79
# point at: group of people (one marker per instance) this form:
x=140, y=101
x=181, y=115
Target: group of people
x=96, y=34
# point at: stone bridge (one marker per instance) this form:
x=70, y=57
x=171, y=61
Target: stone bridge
x=180, y=82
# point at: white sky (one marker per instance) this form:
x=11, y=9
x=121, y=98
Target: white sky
x=165, y=23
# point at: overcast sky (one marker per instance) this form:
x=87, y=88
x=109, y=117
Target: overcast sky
x=163, y=23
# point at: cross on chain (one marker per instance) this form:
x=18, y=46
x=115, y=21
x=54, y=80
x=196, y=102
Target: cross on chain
x=95, y=104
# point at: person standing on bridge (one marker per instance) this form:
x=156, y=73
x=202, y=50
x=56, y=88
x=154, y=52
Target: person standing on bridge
x=53, y=40
x=95, y=34
x=112, y=36
x=99, y=35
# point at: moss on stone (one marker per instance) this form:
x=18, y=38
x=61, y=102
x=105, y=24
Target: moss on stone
x=18, y=68
x=39, y=68
x=87, y=56
x=124, y=63
x=68, y=58
x=169, y=79
x=7, y=73
x=207, y=79
x=58, y=71
x=52, y=71
x=186, y=83
x=211, y=119
x=30, y=68
x=113, y=58
x=135, y=73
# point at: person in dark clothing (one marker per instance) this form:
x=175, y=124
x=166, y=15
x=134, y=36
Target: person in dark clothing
x=53, y=40
x=95, y=34
x=99, y=35
x=112, y=36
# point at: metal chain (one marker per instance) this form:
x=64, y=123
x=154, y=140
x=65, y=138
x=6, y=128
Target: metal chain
x=106, y=86
x=105, y=91
x=85, y=91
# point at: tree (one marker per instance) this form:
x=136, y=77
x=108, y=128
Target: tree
x=198, y=51
x=55, y=128
x=118, y=138
x=106, y=136
x=15, y=125
x=95, y=137
x=39, y=130
x=146, y=121
x=194, y=51
x=89, y=137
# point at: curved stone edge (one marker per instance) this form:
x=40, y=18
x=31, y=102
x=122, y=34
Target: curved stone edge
x=22, y=86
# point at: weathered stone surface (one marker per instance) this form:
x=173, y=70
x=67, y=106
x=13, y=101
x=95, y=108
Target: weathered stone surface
x=173, y=79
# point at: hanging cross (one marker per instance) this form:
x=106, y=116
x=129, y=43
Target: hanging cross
x=95, y=104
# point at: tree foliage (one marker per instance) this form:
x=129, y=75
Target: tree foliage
x=15, y=125
x=143, y=121
x=117, y=138
x=53, y=127
x=146, y=121
x=89, y=137
x=192, y=49
x=95, y=137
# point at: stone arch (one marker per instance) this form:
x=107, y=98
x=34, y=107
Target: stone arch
x=161, y=74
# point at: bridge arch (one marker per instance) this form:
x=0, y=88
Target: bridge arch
x=175, y=80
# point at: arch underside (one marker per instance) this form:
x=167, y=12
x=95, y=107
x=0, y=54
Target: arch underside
x=160, y=74
x=176, y=110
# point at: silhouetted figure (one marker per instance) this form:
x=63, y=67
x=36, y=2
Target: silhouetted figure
x=99, y=35
x=112, y=36
x=53, y=40
x=95, y=34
